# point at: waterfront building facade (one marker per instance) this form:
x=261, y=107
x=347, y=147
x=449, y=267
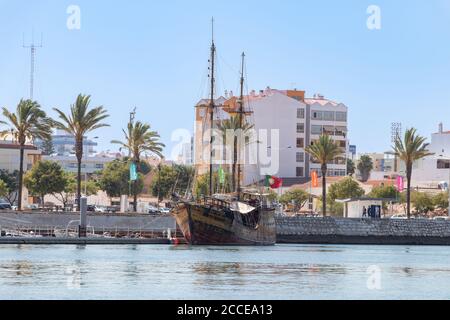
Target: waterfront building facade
x=434, y=170
x=287, y=122
x=89, y=165
x=10, y=161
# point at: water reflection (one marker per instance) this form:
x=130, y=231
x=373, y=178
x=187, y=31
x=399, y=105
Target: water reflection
x=167, y=272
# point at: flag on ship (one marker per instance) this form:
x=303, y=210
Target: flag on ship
x=274, y=182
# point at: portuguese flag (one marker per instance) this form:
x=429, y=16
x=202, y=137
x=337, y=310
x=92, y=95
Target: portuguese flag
x=274, y=182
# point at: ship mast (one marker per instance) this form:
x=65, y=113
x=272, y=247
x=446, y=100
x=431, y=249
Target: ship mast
x=241, y=125
x=211, y=110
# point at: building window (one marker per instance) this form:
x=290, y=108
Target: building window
x=341, y=131
x=316, y=130
x=300, y=143
x=443, y=164
x=317, y=115
x=300, y=128
x=328, y=115
x=300, y=157
x=99, y=166
x=301, y=113
x=340, y=161
x=341, y=116
x=300, y=172
x=342, y=144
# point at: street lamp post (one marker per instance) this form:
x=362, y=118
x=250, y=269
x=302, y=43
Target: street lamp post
x=86, y=157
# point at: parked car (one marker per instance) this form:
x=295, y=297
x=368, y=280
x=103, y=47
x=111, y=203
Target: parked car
x=5, y=206
x=33, y=207
x=153, y=210
x=164, y=210
x=90, y=208
x=441, y=218
x=399, y=217
x=112, y=209
x=101, y=209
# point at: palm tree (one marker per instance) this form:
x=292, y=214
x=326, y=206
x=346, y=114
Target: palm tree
x=26, y=124
x=409, y=150
x=233, y=126
x=78, y=123
x=140, y=140
x=324, y=151
x=365, y=166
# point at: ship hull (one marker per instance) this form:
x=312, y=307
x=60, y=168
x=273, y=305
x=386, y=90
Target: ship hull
x=207, y=225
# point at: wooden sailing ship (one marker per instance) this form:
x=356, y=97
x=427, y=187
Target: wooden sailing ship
x=241, y=218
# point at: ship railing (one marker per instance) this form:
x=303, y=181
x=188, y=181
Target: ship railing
x=214, y=202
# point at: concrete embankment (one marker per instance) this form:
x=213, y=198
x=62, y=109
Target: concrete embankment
x=362, y=231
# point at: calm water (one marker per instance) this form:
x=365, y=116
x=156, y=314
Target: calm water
x=281, y=272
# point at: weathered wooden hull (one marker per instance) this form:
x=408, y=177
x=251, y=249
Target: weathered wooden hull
x=206, y=225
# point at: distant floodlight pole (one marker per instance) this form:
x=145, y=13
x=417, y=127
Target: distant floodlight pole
x=396, y=132
x=32, y=46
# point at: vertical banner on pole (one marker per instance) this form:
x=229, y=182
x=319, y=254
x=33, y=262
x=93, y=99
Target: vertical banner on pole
x=314, y=179
x=133, y=172
x=400, y=184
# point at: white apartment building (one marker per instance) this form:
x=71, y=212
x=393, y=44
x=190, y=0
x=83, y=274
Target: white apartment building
x=435, y=169
x=89, y=165
x=186, y=154
x=289, y=122
x=64, y=144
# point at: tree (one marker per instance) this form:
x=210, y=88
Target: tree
x=185, y=178
x=28, y=123
x=365, y=166
x=412, y=148
x=11, y=179
x=297, y=197
x=272, y=196
x=3, y=189
x=68, y=195
x=440, y=200
x=201, y=184
x=78, y=123
x=164, y=182
x=114, y=179
x=47, y=147
x=423, y=202
x=345, y=189
x=231, y=128
x=350, y=167
x=324, y=151
x=140, y=140
x=46, y=177
x=385, y=192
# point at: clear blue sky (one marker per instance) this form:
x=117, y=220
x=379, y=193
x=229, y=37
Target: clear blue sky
x=153, y=55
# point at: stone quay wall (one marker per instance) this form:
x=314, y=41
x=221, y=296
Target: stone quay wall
x=362, y=231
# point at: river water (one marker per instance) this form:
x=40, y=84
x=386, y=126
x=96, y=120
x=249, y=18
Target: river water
x=224, y=273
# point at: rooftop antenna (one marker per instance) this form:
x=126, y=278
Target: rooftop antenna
x=32, y=46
